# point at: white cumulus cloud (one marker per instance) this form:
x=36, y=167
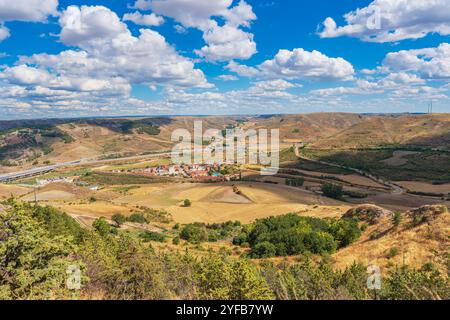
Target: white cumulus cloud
x=298, y=64
x=392, y=20
x=224, y=41
x=25, y=10
x=428, y=63
x=144, y=19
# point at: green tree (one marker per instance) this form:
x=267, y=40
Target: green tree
x=119, y=219
x=137, y=218
x=397, y=218
x=194, y=233
x=187, y=203
x=247, y=282
x=264, y=250
x=332, y=190
x=406, y=283
x=33, y=263
x=102, y=226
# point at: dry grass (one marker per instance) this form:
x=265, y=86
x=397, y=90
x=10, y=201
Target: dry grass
x=8, y=190
x=210, y=202
x=415, y=246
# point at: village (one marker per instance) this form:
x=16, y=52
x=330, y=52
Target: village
x=198, y=172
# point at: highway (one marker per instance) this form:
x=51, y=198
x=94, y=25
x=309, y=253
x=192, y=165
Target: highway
x=85, y=161
x=41, y=170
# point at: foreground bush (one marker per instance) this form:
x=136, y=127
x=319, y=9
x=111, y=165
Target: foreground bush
x=37, y=245
x=292, y=235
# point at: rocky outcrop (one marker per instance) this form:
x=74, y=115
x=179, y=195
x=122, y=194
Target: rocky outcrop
x=368, y=213
x=427, y=213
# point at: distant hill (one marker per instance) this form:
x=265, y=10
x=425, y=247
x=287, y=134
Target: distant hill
x=24, y=143
x=306, y=127
x=409, y=130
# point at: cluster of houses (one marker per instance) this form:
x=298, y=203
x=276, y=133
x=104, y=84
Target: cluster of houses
x=199, y=172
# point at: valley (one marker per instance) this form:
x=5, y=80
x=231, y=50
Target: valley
x=91, y=179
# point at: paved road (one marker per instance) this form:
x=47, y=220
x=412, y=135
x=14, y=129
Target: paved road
x=84, y=161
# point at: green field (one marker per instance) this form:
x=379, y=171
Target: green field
x=430, y=166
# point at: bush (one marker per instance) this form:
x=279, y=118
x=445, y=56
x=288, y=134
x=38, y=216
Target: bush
x=137, y=218
x=345, y=231
x=295, y=182
x=187, y=203
x=194, y=233
x=119, y=219
x=392, y=252
x=240, y=239
x=264, y=250
x=102, y=226
x=332, y=190
x=176, y=241
x=152, y=236
x=320, y=242
x=397, y=219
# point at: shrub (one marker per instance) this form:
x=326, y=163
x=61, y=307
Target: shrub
x=392, y=252
x=295, y=182
x=345, y=231
x=194, y=233
x=264, y=250
x=176, y=241
x=240, y=239
x=187, y=203
x=119, y=219
x=102, y=226
x=137, y=218
x=320, y=242
x=332, y=190
x=152, y=236
x=397, y=218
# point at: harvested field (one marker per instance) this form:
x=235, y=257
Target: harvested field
x=425, y=187
x=50, y=196
x=6, y=190
x=219, y=203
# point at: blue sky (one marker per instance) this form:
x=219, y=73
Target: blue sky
x=80, y=58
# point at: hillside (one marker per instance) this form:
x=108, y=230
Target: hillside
x=419, y=236
x=306, y=127
x=32, y=142
x=28, y=143
x=419, y=130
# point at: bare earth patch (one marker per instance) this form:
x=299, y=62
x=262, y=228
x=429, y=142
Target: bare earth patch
x=398, y=158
